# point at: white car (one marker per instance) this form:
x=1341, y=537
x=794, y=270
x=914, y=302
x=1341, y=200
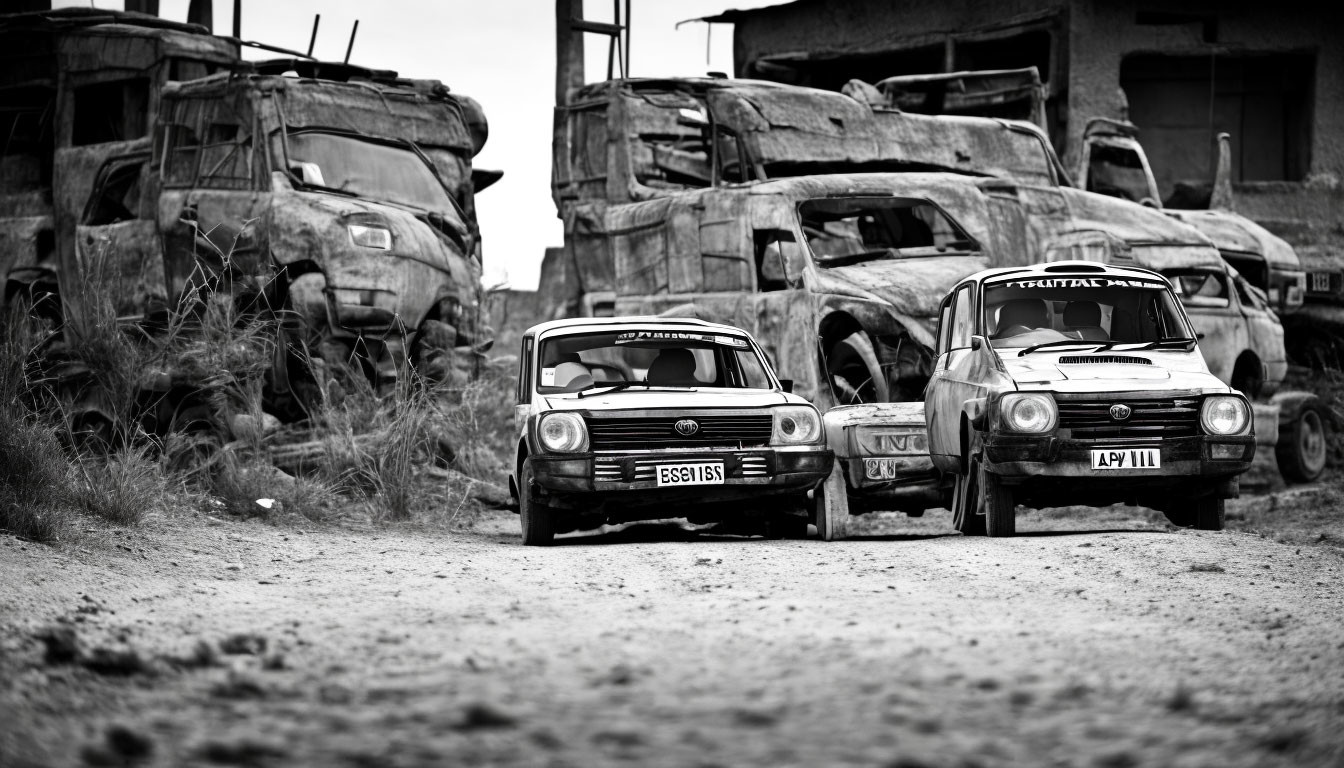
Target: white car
x=641, y=418
x=1079, y=383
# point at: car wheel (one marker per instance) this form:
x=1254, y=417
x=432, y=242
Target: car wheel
x=1209, y=514
x=855, y=373
x=831, y=506
x=1204, y=514
x=538, y=519
x=1303, y=443
x=1000, y=519
x=965, y=501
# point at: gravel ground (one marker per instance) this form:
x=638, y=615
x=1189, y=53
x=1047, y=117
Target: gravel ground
x=1093, y=641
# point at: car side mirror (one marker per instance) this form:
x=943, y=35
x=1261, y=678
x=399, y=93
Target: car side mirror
x=308, y=173
x=786, y=385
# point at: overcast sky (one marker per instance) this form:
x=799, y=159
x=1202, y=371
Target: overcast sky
x=502, y=53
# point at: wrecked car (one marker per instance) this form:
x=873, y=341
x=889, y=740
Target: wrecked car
x=640, y=418
x=1080, y=383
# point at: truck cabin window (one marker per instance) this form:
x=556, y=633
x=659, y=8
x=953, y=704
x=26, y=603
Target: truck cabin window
x=1118, y=172
x=653, y=357
x=1027, y=312
x=1200, y=287
x=849, y=230
x=368, y=169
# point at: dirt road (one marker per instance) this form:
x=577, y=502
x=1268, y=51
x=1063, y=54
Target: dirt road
x=196, y=641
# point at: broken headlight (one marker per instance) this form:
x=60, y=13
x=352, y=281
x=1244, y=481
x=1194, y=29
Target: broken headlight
x=1028, y=412
x=371, y=237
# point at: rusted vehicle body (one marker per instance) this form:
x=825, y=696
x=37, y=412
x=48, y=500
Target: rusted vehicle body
x=333, y=201
x=639, y=418
x=1114, y=163
x=680, y=194
x=78, y=87
x=1080, y=383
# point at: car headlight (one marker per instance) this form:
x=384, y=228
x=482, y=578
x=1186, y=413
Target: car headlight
x=795, y=425
x=1224, y=415
x=892, y=442
x=562, y=432
x=1028, y=412
x=371, y=237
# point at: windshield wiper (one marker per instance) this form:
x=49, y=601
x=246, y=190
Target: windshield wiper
x=612, y=386
x=1182, y=341
x=1100, y=345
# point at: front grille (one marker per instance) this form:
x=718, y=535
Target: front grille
x=655, y=432
x=1150, y=418
x=1115, y=359
x=611, y=469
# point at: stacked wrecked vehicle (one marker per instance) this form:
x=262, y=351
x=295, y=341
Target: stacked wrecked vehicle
x=333, y=203
x=830, y=225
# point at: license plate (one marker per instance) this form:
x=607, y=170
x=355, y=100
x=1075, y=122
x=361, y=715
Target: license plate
x=1126, y=458
x=690, y=474
x=1320, y=281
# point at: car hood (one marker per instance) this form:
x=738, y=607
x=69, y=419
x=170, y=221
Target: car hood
x=914, y=286
x=1236, y=233
x=684, y=399
x=1043, y=371
x=1128, y=221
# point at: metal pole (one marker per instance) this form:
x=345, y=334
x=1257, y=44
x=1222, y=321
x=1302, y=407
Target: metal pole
x=351, y=46
x=238, y=19
x=312, y=41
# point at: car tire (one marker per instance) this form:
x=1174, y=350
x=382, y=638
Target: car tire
x=856, y=376
x=538, y=520
x=966, y=499
x=1202, y=514
x=1303, y=446
x=1209, y=514
x=830, y=503
x=1000, y=518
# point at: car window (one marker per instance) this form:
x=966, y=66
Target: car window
x=525, y=372
x=1200, y=287
x=849, y=230
x=944, y=325
x=962, y=327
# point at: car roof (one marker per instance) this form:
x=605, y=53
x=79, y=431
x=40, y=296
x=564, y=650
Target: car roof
x=1069, y=269
x=597, y=323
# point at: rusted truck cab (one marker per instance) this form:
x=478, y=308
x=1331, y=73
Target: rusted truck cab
x=79, y=87
x=341, y=196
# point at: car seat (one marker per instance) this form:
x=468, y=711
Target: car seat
x=573, y=376
x=673, y=368
x=1082, y=319
x=1021, y=316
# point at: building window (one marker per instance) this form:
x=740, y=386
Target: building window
x=1181, y=104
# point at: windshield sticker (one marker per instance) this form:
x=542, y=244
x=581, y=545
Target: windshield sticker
x=547, y=377
x=1079, y=282
x=633, y=337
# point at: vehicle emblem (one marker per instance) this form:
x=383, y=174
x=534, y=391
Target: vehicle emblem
x=687, y=427
x=1120, y=412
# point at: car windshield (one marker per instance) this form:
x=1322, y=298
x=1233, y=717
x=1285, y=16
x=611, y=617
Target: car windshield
x=848, y=230
x=367, y=169
x=649, y=357
x=1055, y=310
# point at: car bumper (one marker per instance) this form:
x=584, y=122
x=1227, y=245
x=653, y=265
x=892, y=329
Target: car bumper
x=1017, y=458
x=746, y=472
x=896, y=482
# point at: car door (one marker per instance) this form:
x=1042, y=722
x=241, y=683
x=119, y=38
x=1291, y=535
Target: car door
x=951, y=383
x=1223, y=330
x=117, y=243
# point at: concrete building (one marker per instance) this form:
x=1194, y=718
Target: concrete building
x=1270, y=74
